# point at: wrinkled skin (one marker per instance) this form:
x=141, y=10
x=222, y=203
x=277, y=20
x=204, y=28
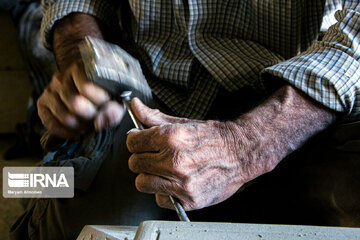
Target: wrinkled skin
x=205, y=162
x=200, y=162
x=184, y=158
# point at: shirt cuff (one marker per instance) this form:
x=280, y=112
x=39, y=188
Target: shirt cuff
x=56, y=10
x=328, y=72
x=328, y=75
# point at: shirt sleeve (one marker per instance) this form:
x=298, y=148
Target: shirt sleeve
x=54, y=10
x=329, y=71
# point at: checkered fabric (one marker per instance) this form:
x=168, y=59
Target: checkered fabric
x=195, y=47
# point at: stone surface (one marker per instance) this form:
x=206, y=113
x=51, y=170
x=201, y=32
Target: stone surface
x=92, y=232
x=164, y=230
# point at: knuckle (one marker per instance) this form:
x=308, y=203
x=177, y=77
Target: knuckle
x=55, y=81
x=170, y=134
x=181, y=132
x=172, y=140
x=163, y=131
x=47, y=91
x=56, y=78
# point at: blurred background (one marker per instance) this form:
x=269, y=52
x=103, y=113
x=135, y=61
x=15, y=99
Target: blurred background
x=25, y=69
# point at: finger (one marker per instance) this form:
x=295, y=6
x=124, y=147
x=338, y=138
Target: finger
x=53, y=125
x=164, y=201
x=146, y=140
x=147, y=183
x=83, y=107
x=149, y=163
x=60, y=112
x=94, y=93
x=110, y=115
x=152, y=117
x=75, y=103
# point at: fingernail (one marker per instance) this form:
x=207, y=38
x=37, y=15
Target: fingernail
x=133, y=130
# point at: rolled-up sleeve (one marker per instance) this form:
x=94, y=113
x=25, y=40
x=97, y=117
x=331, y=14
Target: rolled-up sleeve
x=54, y=10
x=329, y=71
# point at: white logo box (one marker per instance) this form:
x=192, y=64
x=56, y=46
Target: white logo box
x=38, y=182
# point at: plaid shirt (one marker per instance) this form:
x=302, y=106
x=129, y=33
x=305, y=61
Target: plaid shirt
x=195, y=47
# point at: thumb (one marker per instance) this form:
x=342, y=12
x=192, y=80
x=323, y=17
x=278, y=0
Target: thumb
x=152, y=117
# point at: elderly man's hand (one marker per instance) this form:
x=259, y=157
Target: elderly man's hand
x=71, y=104
x=199, y=162
x=204, y=162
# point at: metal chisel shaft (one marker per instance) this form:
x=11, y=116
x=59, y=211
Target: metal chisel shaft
x=177, y=205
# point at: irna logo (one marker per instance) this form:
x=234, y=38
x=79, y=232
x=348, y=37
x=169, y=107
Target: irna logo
x=34, y=180
x=38, y=182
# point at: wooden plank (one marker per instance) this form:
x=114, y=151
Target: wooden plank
x=15, y=90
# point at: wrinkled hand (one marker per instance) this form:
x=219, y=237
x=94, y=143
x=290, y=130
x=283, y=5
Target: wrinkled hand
x=204, y=162
x=70, y=105
x=198, y=162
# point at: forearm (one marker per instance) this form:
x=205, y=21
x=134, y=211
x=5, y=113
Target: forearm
x=69, y=32
x=279, y=126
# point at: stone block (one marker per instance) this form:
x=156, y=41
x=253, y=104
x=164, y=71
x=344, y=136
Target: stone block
x=165, y=230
